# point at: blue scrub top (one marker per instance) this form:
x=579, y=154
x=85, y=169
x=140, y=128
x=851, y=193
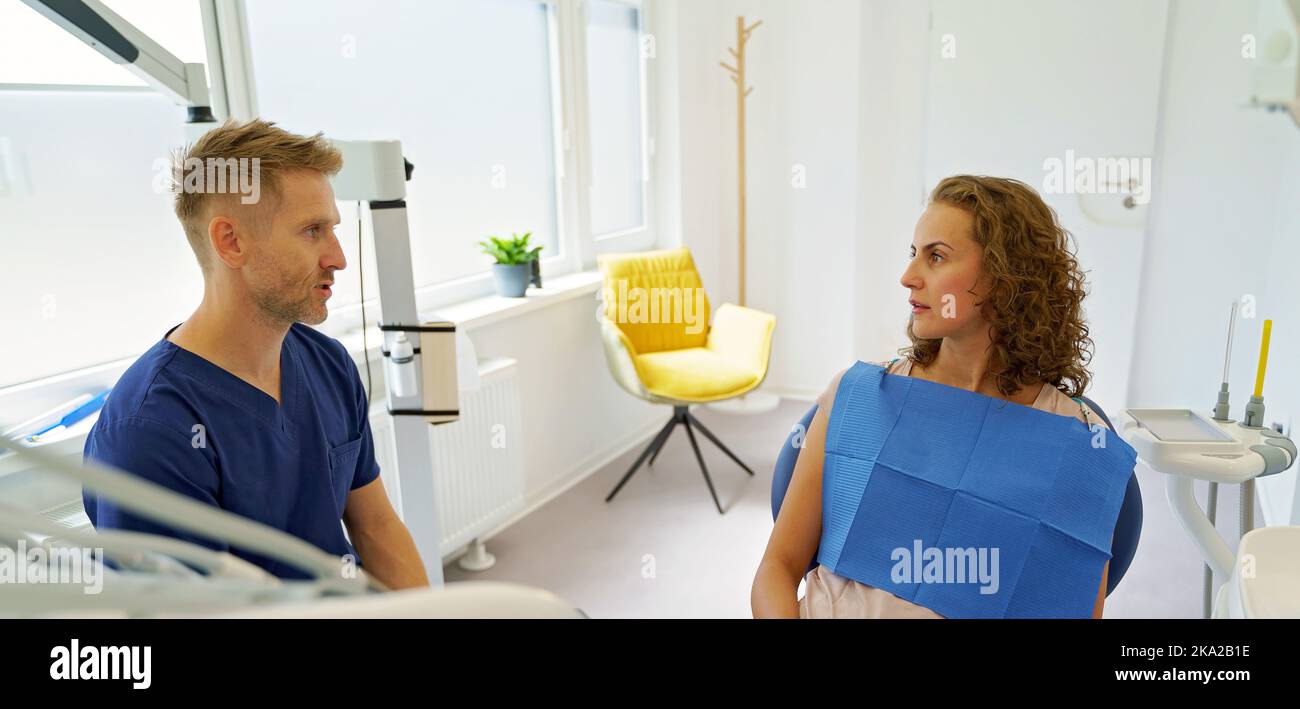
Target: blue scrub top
x=180, y=421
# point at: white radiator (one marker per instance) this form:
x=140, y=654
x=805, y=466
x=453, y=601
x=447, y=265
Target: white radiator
x=477, y=461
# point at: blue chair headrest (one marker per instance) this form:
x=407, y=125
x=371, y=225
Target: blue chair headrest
x=1128, y=526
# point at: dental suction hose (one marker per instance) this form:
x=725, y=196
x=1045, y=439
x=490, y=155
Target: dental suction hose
x=1221, y=406
x=1255, y=409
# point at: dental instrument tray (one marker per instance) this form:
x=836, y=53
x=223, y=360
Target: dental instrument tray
x=1179, y=426
x=1185, y=442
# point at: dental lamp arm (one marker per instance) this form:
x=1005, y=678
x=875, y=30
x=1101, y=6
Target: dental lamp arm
x=107, y=33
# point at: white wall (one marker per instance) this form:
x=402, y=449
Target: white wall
x=894, y=66
x=805, y=116
x=1030, y=82
x=803, y=64
x=574, y=415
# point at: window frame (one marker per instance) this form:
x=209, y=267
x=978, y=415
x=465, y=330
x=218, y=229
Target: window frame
x=643, y=236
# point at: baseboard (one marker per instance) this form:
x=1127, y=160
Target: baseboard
x=794, y=394
x=584, y=469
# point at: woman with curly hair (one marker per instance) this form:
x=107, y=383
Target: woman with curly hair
x=996, y=296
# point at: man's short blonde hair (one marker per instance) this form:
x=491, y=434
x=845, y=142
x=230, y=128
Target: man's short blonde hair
x=237, y=145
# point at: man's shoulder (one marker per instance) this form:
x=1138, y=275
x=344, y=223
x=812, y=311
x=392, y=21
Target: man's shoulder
x=143, y=418
x=145, y=387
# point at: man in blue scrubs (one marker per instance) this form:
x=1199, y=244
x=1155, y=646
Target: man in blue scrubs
x=243, y=406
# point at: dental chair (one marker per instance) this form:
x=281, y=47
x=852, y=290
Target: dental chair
x=1128, y=526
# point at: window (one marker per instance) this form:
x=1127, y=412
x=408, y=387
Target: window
x=615, y=100
x=466, y=85
x=519, y=115
x=96, y=267
x=36, y=51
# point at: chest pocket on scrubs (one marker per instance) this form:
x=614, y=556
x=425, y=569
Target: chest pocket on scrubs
x=343, y=469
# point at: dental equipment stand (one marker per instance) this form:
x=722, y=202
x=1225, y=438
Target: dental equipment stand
x=1187, y=446
x=374, y=172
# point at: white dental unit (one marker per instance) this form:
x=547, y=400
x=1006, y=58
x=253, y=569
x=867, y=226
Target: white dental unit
x=1264, y=573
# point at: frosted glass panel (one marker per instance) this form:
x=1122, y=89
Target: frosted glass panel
x=614, y=99
x=34, y=50
x=464, y=84
x=94, y=266
x=176, y=25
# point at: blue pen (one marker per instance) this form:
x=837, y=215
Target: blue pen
x=73, y=416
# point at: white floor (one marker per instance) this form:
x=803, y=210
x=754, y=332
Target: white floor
x=661, y=550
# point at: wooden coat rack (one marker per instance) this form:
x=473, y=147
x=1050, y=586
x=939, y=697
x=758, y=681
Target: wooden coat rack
x=742, y=92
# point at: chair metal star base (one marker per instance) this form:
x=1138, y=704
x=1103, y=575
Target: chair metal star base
x=681, y=416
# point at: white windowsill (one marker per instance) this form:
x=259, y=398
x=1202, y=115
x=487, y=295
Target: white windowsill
x=477, y=313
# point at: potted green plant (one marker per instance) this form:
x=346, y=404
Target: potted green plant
x=516, y=263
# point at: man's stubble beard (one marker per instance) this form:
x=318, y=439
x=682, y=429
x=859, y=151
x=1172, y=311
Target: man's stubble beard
x=277, y=308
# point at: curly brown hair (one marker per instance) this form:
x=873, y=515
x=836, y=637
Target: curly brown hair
x=1034, y=306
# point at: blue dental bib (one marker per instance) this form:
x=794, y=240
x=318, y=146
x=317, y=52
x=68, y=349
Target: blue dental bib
x=971, y=506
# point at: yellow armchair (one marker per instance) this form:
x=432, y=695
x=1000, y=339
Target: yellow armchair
x=660, y=346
